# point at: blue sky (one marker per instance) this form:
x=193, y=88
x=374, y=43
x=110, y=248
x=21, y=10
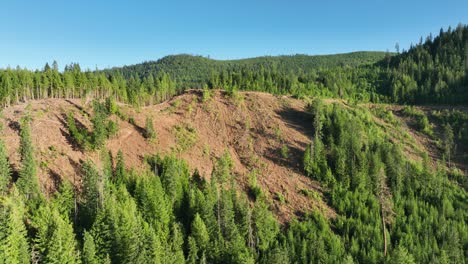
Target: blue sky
x=113, y=33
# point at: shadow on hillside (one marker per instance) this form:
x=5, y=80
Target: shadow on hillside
x=63, y=120
x=138, y=128
x=75, y=165
x=15, y=172
x=56, y=179
x=79, y=107
x=14, y=125
x=293, y=160
x=298, y=120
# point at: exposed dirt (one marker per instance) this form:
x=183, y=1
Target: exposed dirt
x=252, y=127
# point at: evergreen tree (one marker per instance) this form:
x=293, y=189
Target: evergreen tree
x=5, y=170
x=400, y=255
x=175, y=253
x=89, y=249
x=28, y=183
x=91, y=194
x=193, y=251
x=102, y=235
x=150, y=133
x=107, y=169
x=200, y=233
x=99, y=135
x=64, y=200
x=448, y=141
x=55, y=238
x=265, y=226
x=153, y=202
x=14, y=247
x=119, y=168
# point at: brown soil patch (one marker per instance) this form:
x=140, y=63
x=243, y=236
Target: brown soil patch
x=252, y=127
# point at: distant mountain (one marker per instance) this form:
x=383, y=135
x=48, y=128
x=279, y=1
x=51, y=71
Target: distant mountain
x=193, y=71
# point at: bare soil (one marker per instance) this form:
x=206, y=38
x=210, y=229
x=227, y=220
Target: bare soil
x=252, y=127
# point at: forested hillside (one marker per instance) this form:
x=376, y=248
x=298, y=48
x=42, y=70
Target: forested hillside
x=390, y=201
x=433, y=71
x=195, y=71
x=348, y=158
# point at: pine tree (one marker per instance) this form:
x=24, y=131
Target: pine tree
x=89, y=249
x=150, y=133
x=101, y=232
x=152, y=245
x=200, y=233
x=28, y=183
x=128, y=230
x=400, y=255
x=92, y=193
x=107, y=169
x=5, y=170
x=14, y=246
x=64, y=200
x=222, y=168
x=265, y=226
x=175, y=253
x=153, y=202
x=119, y=168
x=193, y=251
x=100, y=134
x=448, y=142
x=55, y=238
x=78, y=136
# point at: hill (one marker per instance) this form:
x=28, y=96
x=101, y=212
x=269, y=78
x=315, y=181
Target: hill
x=130, y=166
x=432, y=72
x=252, y=131
x=327, y=170
x=194, y=71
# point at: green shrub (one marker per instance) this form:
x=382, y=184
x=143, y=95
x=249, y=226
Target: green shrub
x=284, y=152
x=186, y=136
x=206, y=94
x=111, y=106
x=150, y=133
x=80, y=137
x=280, y=198
x=310, y=193
x=421, y=121
x=254, y=190
x=112, y=128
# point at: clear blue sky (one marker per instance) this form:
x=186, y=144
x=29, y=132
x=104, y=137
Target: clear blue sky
x=106, y=33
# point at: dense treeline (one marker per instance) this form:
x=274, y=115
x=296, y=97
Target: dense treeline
x=155, y=82
x=434, y=71
x=195, y=71
x=387, y=204
x=19, y=85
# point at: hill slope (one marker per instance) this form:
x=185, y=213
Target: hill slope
x=340, y=177
x=194, y=71
x=253, y=130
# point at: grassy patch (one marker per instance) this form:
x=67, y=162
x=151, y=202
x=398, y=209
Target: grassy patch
x=186, y=136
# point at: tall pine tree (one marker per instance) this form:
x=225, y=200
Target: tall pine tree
x=28, y=183
x=5, y=171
